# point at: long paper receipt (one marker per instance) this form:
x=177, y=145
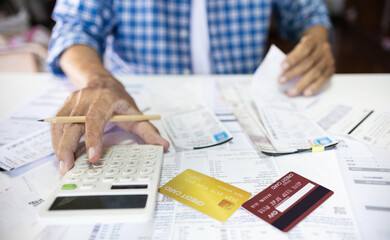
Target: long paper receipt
x=288, y=127
x=208, y=195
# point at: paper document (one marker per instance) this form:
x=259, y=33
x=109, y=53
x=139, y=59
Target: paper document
x=22, y=138
x=368, y=126
x=366, y=172
x=27, y=149
x=289, y=129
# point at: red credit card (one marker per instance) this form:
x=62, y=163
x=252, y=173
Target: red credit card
x=287, y=201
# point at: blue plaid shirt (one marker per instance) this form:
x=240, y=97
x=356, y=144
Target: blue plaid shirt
x=152, y=37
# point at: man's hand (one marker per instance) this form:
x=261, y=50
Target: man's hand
x=100, y=96
x=98, y=105
x=311, y=60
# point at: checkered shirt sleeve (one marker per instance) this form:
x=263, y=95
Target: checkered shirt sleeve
x=293, y=17
x=85, y=22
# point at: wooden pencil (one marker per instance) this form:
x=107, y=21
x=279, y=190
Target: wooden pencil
x=115, y=118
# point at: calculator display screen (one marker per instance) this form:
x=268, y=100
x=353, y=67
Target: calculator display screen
x=99, y=202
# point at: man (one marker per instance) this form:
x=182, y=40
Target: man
x=171, y=37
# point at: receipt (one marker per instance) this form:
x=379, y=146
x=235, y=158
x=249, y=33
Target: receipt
x=27, y=149
x=195, y=128
x=289, y=129
x=250, y=123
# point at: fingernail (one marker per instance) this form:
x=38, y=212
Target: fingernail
x=293, y=92
x=282, y=79
x=285, y=65
x=308, y=92
x=61, y=165
x=91, y=152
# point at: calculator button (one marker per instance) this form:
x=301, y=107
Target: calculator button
x=120, y=150
x=90, y=179
x=111, y=171
x=82, y=164
x=118, y=156
x=133, y=156
x=151, y=150
x=129, y=171
x=68, y=187
x=149, y=155
x=95, y=171
x=78, y=172
x=115, y=163
x=126, y=179
x=73, y=180
x=148, y=163
x=87, y=186
x=131, y=163
x=144, y=178
x=136, y=149
x=105, y=155
x=99, y=164
x=145, y=170
x=108, y=179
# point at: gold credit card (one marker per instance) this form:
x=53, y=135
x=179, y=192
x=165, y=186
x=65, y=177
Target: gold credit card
x=208, y=195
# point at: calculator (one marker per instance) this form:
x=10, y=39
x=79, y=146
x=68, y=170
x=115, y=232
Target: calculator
x=120, y=187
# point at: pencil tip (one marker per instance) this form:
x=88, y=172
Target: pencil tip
x=41, y=120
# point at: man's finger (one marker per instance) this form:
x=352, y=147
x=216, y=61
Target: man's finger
x=56, y=129
x=303, y=49
x=98, y=115
x=68, y=146
x=147, y=132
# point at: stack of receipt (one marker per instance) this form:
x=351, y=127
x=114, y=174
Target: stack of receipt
x=279, y=118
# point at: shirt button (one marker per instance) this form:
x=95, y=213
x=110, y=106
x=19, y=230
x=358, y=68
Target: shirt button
x=184, y=33
x=186, y=71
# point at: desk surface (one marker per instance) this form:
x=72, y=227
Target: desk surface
x=364, y=90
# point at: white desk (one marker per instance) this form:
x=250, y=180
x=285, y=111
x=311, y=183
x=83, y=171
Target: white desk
x=368, y=91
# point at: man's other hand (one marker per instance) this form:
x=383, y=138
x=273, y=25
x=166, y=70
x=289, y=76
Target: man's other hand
x=312, y=61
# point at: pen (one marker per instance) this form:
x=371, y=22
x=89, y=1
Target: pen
x=115, y=118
